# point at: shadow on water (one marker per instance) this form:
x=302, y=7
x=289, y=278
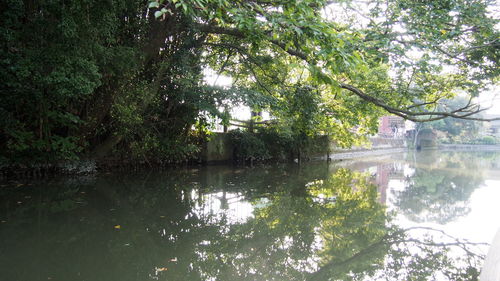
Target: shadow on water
x=314, y=222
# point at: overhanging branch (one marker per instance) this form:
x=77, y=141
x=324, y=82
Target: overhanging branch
x=240, y=34
x=467, y=112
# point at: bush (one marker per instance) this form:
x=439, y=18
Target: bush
x=487, y=140
x=271, y=143
x=248, y=146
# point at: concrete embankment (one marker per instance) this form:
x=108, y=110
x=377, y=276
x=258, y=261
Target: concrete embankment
x=378, y=146
x=365, y=153
x=469, y=147
x=397, y=146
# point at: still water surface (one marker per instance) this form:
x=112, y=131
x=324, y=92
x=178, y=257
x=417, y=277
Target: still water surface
x=384, y=218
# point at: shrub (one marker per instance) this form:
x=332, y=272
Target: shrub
x=248, y=146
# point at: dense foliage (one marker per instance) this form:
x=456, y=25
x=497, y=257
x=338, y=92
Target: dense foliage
x=276, y=144
x=100, y=78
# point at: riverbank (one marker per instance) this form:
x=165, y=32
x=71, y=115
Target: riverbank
x=93, y=167
x=469, y=147
x=346, y=155
x=381, y=151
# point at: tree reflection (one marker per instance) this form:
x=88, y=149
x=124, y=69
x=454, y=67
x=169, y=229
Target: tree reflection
x=253, y=224
x=440, y=187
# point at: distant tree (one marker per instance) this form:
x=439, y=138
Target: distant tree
x=455, y=130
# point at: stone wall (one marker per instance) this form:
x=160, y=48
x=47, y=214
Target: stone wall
x=217, y=149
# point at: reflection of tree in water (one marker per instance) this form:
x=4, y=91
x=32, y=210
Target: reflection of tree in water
x=303, y=225
x=439, y=189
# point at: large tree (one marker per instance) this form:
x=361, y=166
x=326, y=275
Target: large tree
x=128, y=75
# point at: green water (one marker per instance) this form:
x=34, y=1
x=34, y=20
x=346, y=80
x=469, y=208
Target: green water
x=318, y=221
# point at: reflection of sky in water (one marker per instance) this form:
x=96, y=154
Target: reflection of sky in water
x=479, y=225
x=231, y=207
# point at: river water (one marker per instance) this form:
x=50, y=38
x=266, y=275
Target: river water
x=411, y=216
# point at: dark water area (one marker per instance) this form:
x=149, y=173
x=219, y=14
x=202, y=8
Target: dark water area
x=351, y=220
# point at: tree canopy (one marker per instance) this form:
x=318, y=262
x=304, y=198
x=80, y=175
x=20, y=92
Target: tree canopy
x=104, y=77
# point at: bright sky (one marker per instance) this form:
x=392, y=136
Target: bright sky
x=491, y=98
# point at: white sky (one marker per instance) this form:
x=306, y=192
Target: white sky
x=491, y=98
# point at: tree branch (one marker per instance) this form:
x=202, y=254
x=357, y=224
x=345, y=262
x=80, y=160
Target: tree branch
x=466, y=112
x=418, y=116
x=240, y=34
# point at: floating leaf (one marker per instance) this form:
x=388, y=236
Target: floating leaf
x=159, y=269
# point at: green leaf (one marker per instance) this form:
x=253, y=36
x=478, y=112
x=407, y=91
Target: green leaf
x=154, y=5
